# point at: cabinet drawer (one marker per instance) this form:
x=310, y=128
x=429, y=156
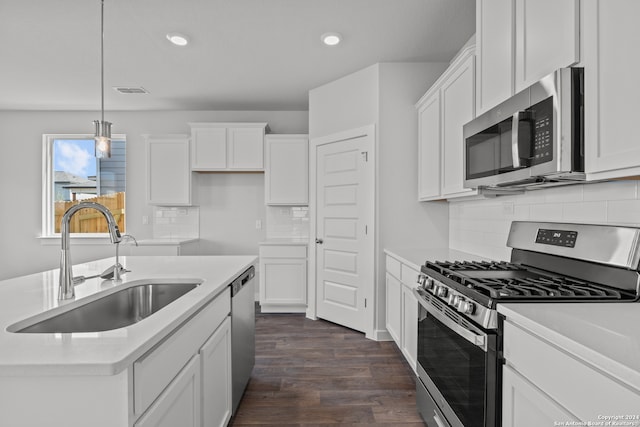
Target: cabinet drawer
x=155, y=370
x=408, y=275
x=580, y=388
x=393, y=267
x=283, y=251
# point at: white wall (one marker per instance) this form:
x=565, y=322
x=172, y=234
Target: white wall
x=481, y=226
x=21, y=251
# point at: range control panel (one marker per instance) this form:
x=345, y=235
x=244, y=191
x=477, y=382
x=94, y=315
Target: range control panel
x=562, y=238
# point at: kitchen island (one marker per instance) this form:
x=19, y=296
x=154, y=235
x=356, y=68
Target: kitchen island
x=136, y=375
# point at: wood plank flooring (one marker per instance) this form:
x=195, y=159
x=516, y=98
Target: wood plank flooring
x=315, y=373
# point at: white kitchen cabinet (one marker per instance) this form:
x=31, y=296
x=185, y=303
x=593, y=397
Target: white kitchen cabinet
x=287, y=170
x=521, y=41
x=547, y=38
x=524, y=405
x=402, y=308
x=215, y=356
x=394, y=308
x=227, y=146
x=429, y=147
x=283, y=278
x=495, y=40
x=610, y=36
x=542, y=381
x=179, y=404
x=168, y=170
x=443, y=111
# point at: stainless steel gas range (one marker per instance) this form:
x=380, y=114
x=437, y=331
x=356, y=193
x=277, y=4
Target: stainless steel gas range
x=460, y=331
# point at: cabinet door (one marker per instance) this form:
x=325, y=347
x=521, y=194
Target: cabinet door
x=458, y=107
x=168, y=170
x=495, y=42
x=209, y=148
x=409, y=326
x=429, y=122
x=246, y=148
x=286, y=176
x=523, y=405
x=179, y=403
x=284, y=281
x=547, y=38
x=394, y=309
x=215, y=357
x=611, y=88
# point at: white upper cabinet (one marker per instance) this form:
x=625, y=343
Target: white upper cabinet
x=227, y=146
x=521, y=41
x=168, y=170
x=610, y=36
x=287, y=170
x=442, y=112
x=429, y=147
x=547, y=38
x=495, y=42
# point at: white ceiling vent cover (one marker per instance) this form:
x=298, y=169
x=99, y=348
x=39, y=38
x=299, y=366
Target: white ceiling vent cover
x=130, y=90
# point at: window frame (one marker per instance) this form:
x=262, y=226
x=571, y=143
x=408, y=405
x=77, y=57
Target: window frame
x=48, y=226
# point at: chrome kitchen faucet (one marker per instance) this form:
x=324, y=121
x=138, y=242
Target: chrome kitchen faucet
x=65, y=289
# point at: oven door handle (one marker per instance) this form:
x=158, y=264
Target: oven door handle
x=469, y=335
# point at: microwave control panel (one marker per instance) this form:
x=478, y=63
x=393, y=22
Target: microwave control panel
x=542, y=131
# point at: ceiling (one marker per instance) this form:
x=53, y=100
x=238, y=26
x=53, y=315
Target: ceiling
x=243, y=55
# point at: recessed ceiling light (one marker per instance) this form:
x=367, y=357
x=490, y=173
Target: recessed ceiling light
x=178, y=39
x=331, y=39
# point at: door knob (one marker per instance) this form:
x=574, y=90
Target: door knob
x=319, y=241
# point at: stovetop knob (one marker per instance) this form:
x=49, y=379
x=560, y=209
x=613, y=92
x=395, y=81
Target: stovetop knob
x=454, y=300
x=442, y=292
x=466, y=307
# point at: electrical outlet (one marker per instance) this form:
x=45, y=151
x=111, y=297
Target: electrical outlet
x=507, y=208
x=145, y=219
x=258, y=224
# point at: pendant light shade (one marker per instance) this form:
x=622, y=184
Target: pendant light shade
x=103, y=129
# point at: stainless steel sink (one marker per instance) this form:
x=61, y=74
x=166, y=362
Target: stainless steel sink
x=115, y=310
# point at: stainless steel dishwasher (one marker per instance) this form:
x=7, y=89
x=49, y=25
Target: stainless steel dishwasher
x=243, y=329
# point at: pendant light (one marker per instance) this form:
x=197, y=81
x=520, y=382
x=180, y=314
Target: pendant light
x=103, y=129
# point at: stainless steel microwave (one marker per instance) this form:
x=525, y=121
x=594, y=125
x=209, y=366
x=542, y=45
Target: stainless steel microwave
x=533, y=139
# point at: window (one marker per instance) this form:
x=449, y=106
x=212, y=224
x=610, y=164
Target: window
x=71, y=174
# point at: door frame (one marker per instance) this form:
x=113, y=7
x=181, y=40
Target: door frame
x=369, y=132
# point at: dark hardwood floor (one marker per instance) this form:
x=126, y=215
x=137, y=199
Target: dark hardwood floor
x=315, y=373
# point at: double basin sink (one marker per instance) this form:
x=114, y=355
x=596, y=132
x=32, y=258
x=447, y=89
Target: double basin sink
x=108, y=310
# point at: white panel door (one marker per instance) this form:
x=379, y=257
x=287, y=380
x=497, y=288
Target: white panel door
x=344, y=226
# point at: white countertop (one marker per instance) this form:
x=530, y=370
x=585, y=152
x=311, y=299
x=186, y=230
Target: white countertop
x=163, y=242
x=416, y=257
x=109, y=352
x=605, y=335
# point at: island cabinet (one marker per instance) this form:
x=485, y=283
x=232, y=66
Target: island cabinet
x=543, y=383
x=402, y=307
x=283, y=277
x=286, y=177
x=442, y=112
x=168, y=170
x=184, y=380
x=227, y=146
x=519, y=42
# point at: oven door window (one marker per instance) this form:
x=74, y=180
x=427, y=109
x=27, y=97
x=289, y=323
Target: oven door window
x=457, y=368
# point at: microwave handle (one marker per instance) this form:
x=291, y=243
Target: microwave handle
x=515, y=138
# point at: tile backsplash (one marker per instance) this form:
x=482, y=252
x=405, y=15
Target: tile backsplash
x=287, y=222
x=481, y=226
x=176, y=222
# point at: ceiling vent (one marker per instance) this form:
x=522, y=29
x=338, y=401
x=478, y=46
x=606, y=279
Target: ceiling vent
x=130, y=90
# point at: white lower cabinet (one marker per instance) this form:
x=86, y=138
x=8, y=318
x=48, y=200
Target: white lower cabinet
x=215, y=358
x=402, y=308
x=179, y=403
x=283, y=278
x=543, y=384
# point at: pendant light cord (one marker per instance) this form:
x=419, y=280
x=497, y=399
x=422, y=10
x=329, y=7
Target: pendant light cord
x=102, y=57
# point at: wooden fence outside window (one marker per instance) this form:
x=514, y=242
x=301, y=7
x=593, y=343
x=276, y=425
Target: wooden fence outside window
x=90, y=220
